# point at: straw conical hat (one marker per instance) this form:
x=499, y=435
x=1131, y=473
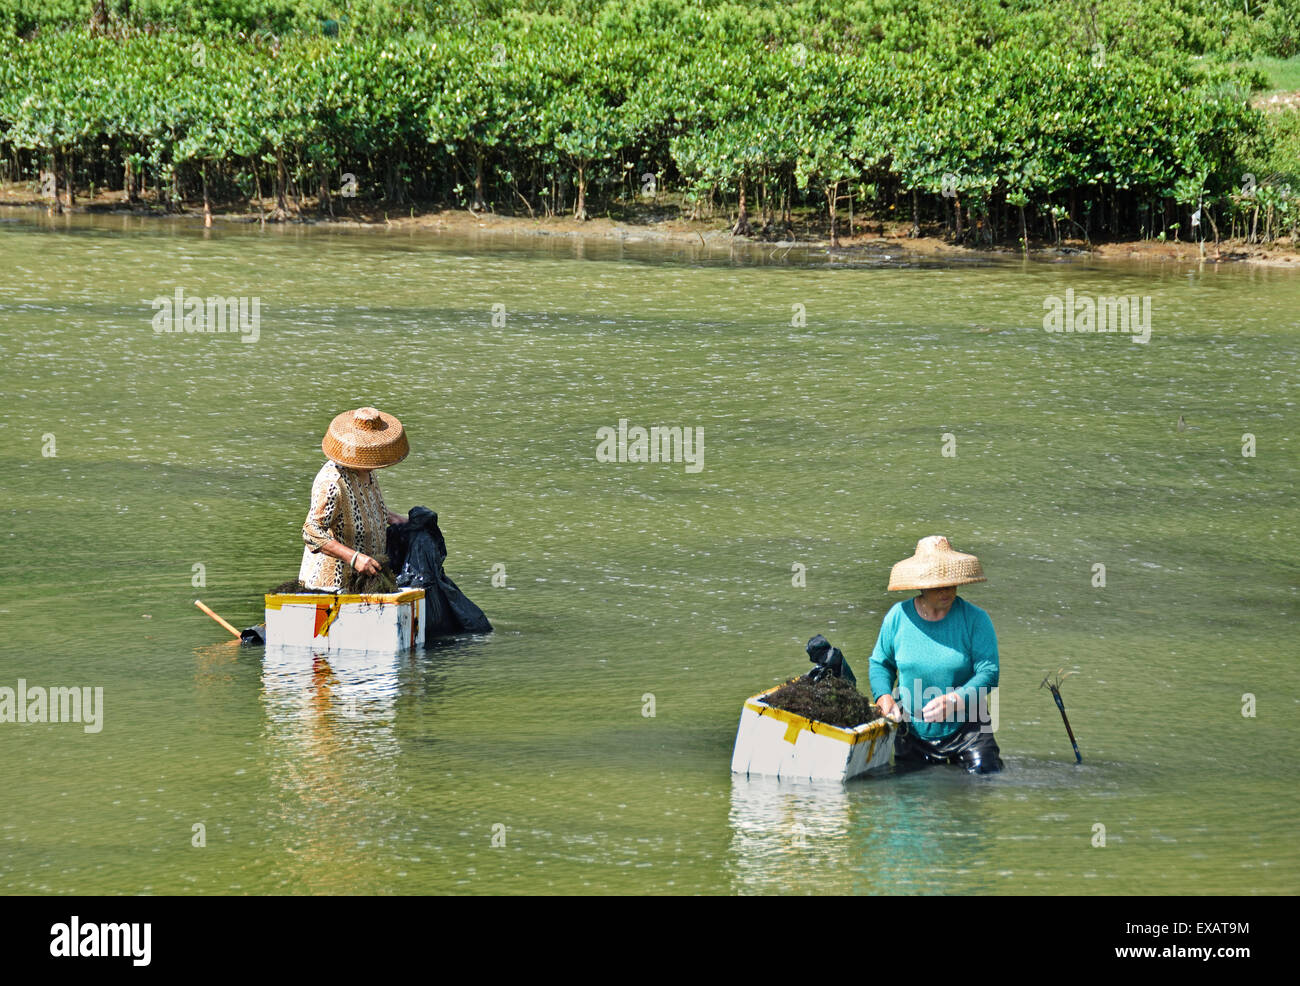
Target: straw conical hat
x=365, y=439
x=934, y=566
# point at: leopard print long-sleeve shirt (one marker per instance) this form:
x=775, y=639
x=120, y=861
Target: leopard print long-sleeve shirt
x=347, y=509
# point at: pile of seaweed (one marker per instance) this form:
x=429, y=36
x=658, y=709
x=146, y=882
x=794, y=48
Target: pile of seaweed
x=383, y=582
x=833, y=701
x=361, y=585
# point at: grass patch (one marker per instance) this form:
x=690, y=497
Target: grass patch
x=1283, y=74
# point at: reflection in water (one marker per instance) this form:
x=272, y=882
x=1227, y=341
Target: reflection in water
x=927, y=832
x=215, y=664
x=787, y=836
x=930, y=831
x=906, y=832
x=332, y=758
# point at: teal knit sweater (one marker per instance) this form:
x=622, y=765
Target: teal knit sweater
x=928, y=659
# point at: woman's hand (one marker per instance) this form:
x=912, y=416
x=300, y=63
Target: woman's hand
x=366, y=565
x=396, y=518
x=942, y=709
x=889, y=708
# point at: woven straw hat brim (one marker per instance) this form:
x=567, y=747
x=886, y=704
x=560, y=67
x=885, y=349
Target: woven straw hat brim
x=365, y=439
x=934, y=566
x=901, y=580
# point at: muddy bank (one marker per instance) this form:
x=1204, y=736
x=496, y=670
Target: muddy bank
x=871, y=238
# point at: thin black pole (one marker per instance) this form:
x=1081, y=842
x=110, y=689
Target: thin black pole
x=1056, y=694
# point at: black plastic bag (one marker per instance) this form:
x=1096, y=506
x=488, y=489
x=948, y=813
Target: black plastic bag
x=416, y=552
x=829, y=660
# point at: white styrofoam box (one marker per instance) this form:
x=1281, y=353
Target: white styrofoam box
x=387, y=621
x=781, y=744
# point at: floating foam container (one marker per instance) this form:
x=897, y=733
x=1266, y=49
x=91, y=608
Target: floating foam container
x=381, y=621
x=777, y=743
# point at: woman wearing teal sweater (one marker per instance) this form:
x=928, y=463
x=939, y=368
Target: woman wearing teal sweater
x=943, y=654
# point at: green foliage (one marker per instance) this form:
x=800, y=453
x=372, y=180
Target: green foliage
x=993, y=103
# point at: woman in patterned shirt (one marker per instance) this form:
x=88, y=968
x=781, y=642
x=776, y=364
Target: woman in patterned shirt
x=347, y=524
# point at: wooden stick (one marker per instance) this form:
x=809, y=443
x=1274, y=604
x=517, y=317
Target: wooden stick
x=216, y=617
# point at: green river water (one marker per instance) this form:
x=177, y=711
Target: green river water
x=522, y=761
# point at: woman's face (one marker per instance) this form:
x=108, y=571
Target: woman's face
x=938, y=599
